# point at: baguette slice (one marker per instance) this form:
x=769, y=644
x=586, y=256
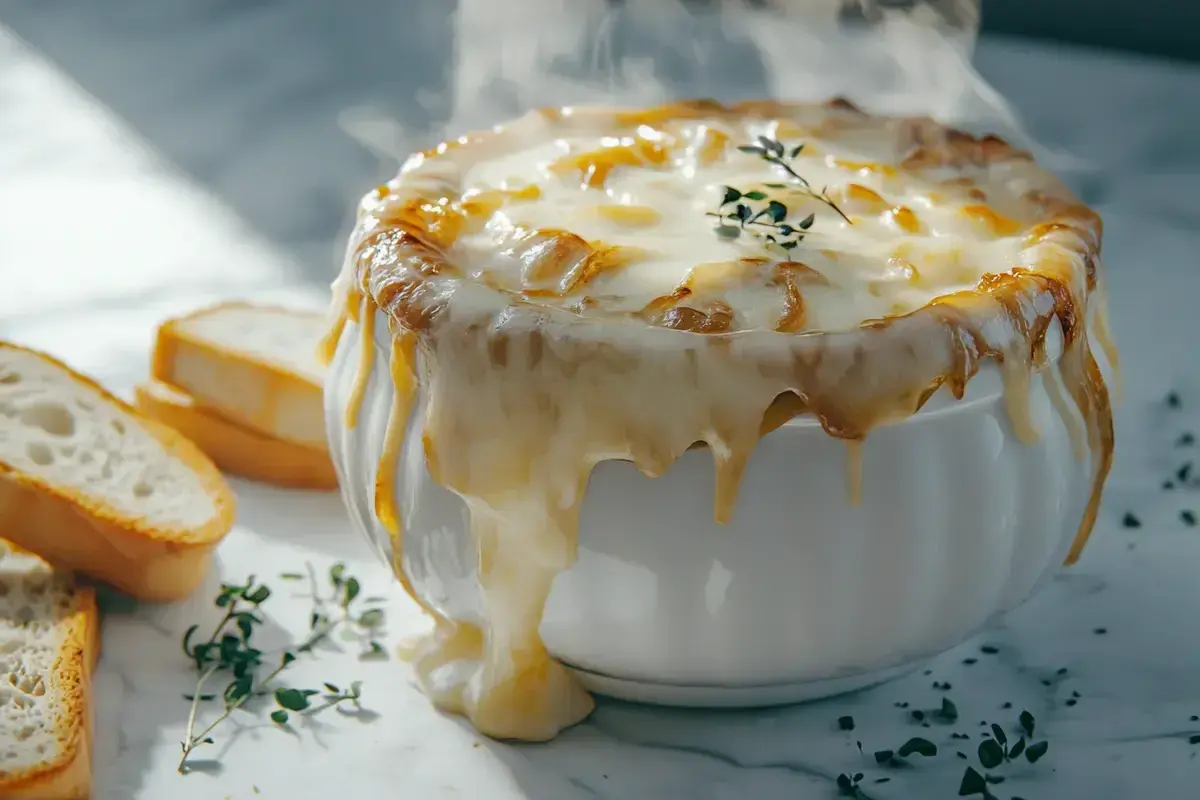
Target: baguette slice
x=254, y=365
x=49, y=641
x=234, y=448
x=92, y=486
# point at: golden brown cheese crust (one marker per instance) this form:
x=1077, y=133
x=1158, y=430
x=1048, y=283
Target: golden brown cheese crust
x=402, y=241
x=399, y=256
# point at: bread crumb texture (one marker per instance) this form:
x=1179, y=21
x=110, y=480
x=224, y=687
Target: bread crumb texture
x=41, y=674
x=68, y=432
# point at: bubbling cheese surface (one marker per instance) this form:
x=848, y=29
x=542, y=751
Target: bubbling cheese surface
x=568, y=288
x=907, y=241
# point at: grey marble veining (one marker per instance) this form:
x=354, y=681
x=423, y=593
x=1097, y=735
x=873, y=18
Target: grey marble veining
x=198, y=128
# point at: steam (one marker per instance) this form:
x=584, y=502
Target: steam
x=912, y=57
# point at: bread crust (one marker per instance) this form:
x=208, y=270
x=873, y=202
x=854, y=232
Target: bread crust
x=235, y=448
x=272, y=382
x=75, y=532
x=67, y=775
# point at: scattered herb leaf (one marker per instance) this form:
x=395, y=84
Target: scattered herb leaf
x=972, y=783
x=919, y=746
x=991, y=753
x=291, y=699
x=731, y=223
x=1036, y=751
x=1016, y=750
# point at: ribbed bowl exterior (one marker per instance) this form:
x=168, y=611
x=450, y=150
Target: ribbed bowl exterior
x=959, y=522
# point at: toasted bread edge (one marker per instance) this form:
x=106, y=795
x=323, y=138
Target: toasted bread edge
x=68, y=775
x=235, y=448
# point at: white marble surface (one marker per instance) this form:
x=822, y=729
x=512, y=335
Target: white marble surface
x=83, y=275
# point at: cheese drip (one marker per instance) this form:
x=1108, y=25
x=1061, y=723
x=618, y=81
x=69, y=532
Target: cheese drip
x=555, y=387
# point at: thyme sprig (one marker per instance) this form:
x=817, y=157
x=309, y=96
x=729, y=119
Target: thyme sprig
x=298, y=700
x=734, y=215
x=774, y=152
x=337, y=608
x=230, y=649
x=733, y=222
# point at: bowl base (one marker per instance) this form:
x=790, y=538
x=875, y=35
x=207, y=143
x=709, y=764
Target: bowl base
x=751, y=696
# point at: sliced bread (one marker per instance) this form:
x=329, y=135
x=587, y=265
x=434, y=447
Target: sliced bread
x=235, y=448
x=92, y=486
x=254, y=365
x=49, y=641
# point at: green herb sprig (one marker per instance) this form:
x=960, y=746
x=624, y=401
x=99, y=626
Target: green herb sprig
x=734, y=216
x=298, y=700
x=733, y=222
x=226, y=651
x=230, y=650
x=338, y=607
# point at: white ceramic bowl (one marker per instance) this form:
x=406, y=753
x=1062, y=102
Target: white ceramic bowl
x=802, y=595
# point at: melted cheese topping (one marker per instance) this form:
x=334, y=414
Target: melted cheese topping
x=622, y=222
x=559, y=296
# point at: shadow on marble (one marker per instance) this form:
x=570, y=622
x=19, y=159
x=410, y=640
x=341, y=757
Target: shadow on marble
x=639, y=752
x=311, y=521
x=245, y=98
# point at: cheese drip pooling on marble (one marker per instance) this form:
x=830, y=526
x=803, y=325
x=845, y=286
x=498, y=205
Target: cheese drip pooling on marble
x=565, y=273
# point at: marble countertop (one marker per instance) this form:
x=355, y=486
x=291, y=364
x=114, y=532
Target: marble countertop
x=101, y=236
